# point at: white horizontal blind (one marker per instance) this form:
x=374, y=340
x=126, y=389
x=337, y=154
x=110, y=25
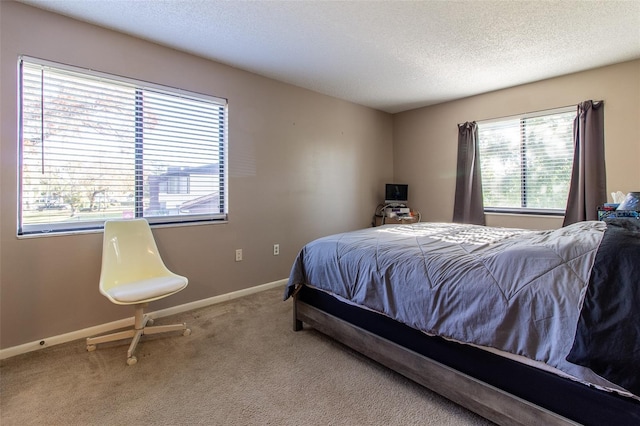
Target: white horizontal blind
x=526, y=161
x=95, y=147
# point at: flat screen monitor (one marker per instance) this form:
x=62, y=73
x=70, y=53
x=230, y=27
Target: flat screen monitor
x=396, y=193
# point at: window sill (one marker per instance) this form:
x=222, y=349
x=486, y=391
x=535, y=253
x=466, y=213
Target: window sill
x=100, y=230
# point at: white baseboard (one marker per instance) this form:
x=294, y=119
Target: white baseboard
x=127, y=322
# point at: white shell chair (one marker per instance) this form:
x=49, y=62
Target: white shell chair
x=133, y=273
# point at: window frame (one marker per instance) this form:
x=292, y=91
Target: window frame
x=68, y=227
x=523, y=210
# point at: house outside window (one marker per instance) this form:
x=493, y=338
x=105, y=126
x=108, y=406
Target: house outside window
x=95, y=146
x=526, y=162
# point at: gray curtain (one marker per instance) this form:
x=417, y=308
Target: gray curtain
x=588, y=188
x=468, y=207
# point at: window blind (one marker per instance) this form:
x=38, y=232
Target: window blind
x=526, y=161
x=95, y=147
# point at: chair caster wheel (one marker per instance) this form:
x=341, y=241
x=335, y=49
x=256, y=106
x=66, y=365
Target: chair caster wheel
x=186, y=332
x=132, y=360
x=91, y=348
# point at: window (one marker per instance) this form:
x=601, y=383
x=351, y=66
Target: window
x=526, y=162
x=175, y=184
x=95, y=146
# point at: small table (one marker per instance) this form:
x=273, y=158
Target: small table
x=404, y=220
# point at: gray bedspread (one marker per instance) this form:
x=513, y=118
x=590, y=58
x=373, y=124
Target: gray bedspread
x=515, y=290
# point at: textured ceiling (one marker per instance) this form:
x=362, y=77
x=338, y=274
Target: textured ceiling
x=389, y=55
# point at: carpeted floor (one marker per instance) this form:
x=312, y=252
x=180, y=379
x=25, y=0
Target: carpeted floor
x=242, y=365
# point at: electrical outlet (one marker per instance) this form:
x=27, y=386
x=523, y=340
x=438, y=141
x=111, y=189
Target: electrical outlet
x=276, y=249
x=238, y=255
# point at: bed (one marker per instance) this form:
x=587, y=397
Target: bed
x=520, y=326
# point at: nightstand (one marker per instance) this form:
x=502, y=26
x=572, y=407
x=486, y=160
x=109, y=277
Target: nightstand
x=407, y=220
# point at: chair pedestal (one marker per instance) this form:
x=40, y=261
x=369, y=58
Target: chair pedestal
x=140, y=328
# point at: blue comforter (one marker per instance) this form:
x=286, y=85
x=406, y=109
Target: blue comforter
x=515, y=290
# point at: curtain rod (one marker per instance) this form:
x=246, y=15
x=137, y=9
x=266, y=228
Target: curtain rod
x=529, y=113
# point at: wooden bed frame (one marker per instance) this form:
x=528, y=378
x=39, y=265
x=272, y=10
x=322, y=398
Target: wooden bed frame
x=545, y=399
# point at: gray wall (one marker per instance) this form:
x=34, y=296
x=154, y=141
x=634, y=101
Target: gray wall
x=425, y=140
x=301, y=165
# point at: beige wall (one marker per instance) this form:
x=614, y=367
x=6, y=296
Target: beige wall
x=425, y=140
x=302, y=165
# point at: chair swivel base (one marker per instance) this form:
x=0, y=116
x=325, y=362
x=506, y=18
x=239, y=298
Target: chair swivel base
x=143, y=325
